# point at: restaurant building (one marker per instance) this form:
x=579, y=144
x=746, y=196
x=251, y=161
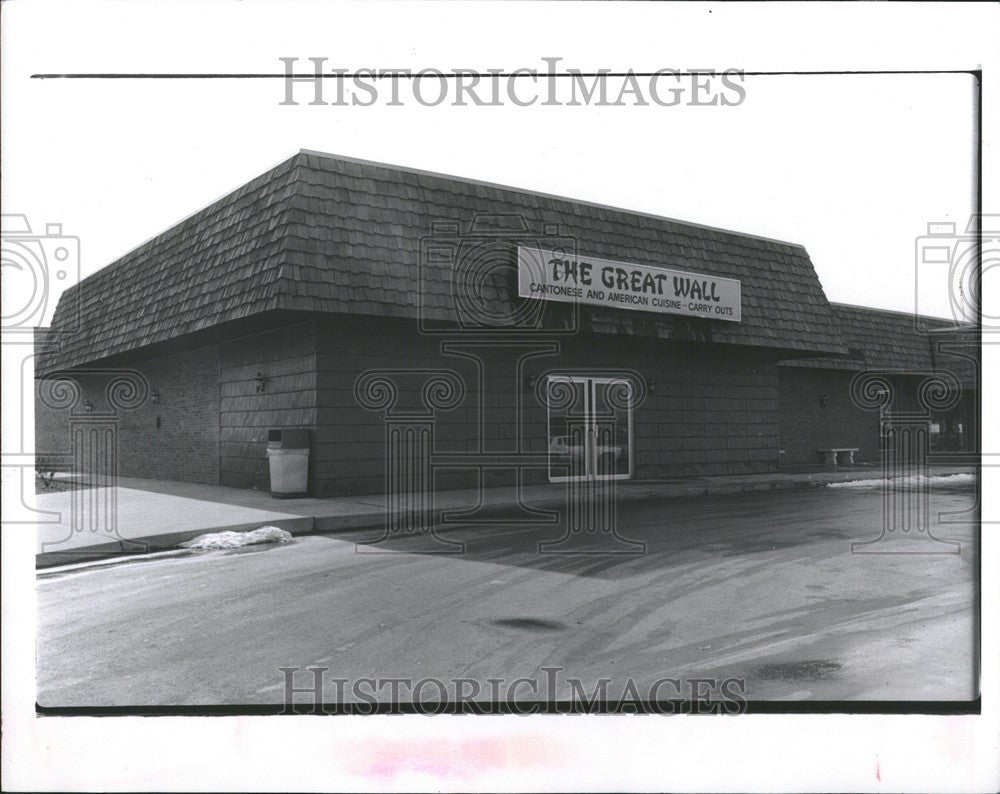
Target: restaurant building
x=426, y=328
x=900, y=365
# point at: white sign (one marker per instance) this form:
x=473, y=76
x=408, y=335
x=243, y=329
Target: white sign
x=552, y=275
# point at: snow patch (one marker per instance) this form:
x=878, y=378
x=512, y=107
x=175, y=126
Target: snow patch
x=945, y=480
x=234, y=540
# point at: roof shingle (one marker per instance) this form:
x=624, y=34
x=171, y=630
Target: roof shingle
x=329, y=234
x=880, y=339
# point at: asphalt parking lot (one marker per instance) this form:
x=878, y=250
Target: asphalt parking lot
x=760, y=587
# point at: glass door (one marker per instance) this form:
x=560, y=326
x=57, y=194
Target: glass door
x=589, y=428
x=568, y=399
x=611, y=415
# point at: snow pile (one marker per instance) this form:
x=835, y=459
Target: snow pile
x=945, y=480
x=234, y=540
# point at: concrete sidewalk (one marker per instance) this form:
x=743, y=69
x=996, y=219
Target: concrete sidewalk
x=153, y=515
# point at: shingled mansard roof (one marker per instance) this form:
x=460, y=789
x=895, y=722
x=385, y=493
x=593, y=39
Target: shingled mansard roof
x=880, y=339
x=321, y=233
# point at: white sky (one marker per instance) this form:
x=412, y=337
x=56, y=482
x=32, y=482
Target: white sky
x=852, y=167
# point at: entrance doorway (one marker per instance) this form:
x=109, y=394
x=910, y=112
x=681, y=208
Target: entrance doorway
x=589, y=428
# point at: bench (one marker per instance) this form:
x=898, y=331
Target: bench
x=831, y=456
x=49, y=464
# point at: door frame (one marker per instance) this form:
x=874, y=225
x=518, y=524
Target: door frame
x=590, y=419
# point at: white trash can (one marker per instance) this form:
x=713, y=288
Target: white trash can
x=288, y=460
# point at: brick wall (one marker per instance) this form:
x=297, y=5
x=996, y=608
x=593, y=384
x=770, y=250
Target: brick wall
x=714, y=409
x=51, y=426
x=808, y=426
x=178, y=437
x=175, y=438
x=286, y=358
x=210, y=424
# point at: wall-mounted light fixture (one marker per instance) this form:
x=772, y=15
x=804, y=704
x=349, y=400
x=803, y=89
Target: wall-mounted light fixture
x=259, y=383
x=154, y=397
x=532, y=380
x=88, y=406
x=651, y=385
x=824, y=400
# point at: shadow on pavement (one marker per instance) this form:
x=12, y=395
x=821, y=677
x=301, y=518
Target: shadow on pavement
x=674, y=532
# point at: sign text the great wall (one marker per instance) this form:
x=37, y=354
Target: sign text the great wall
x=603, y=282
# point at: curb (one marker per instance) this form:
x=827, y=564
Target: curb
x=168, y=540
x=375, y=519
